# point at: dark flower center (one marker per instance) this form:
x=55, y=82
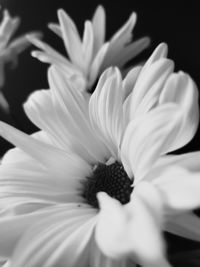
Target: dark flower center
x=111, y=179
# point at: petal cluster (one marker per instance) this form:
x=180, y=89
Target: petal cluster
x=44, y=220
x=91, y=55
x=9, y=50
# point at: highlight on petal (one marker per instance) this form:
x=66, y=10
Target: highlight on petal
x=133, y=231
x=180, y=189
x=181, y=89
x=58, y=240
x=105, y=108
x=98, y=23
x=65, y=164
x=147, y=137
x=149, y=85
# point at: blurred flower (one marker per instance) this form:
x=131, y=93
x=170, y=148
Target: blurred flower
x=9, y=50
x=91, y=55
x=94, y=187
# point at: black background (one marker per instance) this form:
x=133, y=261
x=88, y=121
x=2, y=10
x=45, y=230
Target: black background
x=177, y=25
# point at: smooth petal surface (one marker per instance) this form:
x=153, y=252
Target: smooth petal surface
x=180, y=189
x=146, y=138
x=60, y=239
x=132, y=230
x=71, y=38
x=98, y=23
x=72, y=108
x=186, y=225
x=65, y=163
x=105, y=108
x=181, y=89
x=149, y=85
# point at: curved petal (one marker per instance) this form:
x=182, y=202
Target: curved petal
x=186, y=225
x=98, y=23
x=132, y=230
x=180, y=189
x=119, y=40
x=87, y=45
x=147, y=137
x=72, y=109
x=61, y=239
x=181, y=89
x=149, y=85
x=105, y=108
x=55, y=160
x=71, y=38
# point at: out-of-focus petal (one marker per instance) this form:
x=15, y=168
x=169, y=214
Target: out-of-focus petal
x=186, y=225
x=98, y=23
x=133, y=230
x=180, y=189
x=181, y=89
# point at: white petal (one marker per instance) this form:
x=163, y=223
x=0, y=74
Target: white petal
x=105, y=108
x=132, y=230
x=189, y=161
x=180, y=189
x=160, y=52
x=40, y=110
x=72, y=108
x=122, y=37
x=98, y=23
x=130, y=80
x=87, y=46
x=186, y=225
x=55, y=28
x=71, y=38
x=60, y=239
x=130, y=51
x=147, y=137
x=181, y=89
x=96, y=64
x=50, y=55
x=53, y=159
x=149, y=85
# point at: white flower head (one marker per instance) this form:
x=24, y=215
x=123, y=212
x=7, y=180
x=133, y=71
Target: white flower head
x=91, y=55
x=9, y=50
x=94, y=187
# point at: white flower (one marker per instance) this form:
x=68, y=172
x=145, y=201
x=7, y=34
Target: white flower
x=104, y=144
x=91, y=55
x=9, y=50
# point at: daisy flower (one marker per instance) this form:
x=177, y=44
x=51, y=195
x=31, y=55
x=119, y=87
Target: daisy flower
x=94, y=187
x=91, y=55
x=9, y=50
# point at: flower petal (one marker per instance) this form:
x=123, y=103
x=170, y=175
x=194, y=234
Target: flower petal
x=119, y=40
x=72, y=108
x=149, y=85
x=87, y=45
x=98, y=23
x=180, y=189
x=186, y=225
x=12, y=228
x=134, y=229
x=65, y=163
x=147, y=137
x=71, y=38
x=60, y=239
x=181, y=89
x=105, y=108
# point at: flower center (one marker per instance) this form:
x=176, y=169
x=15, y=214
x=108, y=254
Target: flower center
x=111, y=179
